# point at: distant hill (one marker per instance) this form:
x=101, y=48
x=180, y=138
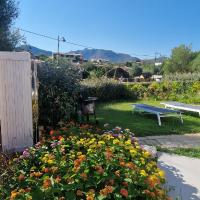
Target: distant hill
x=34, y=50
x=106, y=55
x=88, y=54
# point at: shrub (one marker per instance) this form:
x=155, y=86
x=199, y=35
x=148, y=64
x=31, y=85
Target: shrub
x=86, y=166
x=183, y=77
x=167, y=90
x=105, y=89
x=108, y=90
x=58, y=89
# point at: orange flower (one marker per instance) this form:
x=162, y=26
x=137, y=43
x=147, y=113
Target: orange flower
x=124, y=192
x=58, y=179
x=84, y=176
x=37, y=174
x=130, y=165
x=21, y=177
x=51, y=132
x=107, y=190
x=89, y=198
x=14, y=194
x=99, y=169
x=60, y=137
x=90, y=194
x=122, y=163
x=45, y=170
x=79, y=193
x=125, y=184
x=108, y=154
x=54, y=169
x=27, y=190
x=47, y=183
x=82, y=157
x=117, y=173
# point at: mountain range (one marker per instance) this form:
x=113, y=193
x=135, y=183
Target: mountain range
x=88, y=54
x=34, y=50
x=109, y=55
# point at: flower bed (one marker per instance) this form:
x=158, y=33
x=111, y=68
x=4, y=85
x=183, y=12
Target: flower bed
x=86, y=166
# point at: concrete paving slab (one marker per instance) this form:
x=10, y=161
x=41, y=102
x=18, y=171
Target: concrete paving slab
x=187, y=140
x=183, y=174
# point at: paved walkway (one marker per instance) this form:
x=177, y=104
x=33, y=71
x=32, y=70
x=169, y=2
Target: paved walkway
x=187, y=140
x=183, y=176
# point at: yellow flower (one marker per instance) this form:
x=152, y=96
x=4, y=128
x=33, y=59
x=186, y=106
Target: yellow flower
x=89, y=150
x=79, y=153
x=50, y=161
x=146, y=154
x=137, y=146
x=143, y=173
x=128, y=142
x=133, y=152
x=101, y=142
x=116, y=141
x=142, y=161
x=14, y=194
x=161, y=173
x=72, y=156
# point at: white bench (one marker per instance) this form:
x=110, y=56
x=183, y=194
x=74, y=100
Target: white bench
x=182, y=106
x=159, y=112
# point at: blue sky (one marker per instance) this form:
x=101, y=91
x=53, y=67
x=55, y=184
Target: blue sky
x=140, y=27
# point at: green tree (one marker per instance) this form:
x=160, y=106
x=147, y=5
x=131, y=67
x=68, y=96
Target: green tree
x=8, y=13
x=195, y=65
x=180, y=60
x=136, y=70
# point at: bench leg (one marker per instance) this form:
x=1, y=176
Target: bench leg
x=159, y=120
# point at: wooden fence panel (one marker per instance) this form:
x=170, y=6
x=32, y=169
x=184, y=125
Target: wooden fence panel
x=15, y=101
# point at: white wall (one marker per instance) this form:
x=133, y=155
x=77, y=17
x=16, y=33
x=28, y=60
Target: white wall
x=15, y=101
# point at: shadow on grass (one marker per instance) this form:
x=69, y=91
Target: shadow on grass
x=146, y=124
x=176, y=183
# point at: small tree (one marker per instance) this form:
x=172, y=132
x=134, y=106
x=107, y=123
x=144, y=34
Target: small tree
x=180, y=60
x=8, y=13
x=195, y=65
x=58, y=91
x=136, y=70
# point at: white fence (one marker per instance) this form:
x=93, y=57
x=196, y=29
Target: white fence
x=16, y=132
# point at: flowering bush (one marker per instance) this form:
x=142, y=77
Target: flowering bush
x=86, y=166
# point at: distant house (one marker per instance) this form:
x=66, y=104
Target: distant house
x=146, y=76
x=157, y=78
x=99, y=61
x=158, y=63
x=72, y=57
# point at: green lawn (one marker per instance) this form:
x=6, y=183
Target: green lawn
x=119, y=114
x=189, y=152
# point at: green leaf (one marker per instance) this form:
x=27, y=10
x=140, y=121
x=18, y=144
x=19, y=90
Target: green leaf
x=37, y=194
x=70, y=195
x=101, y=197
x=128, y=180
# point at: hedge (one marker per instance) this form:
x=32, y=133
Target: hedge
x=108, y=90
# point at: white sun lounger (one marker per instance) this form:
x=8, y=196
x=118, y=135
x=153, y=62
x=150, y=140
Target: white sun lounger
x=181, y=106
x=160, y=112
